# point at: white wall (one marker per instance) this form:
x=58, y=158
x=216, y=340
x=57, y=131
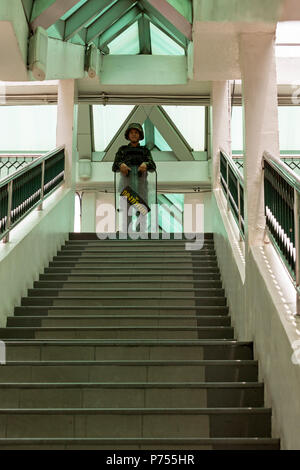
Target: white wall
x=33, y=243
x=261, y=301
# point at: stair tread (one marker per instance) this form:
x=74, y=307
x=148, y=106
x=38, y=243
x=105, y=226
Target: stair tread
x=134, y=289
x=136, y=342
x=202, y=440
x=237, y=385
x=117, y=327
x=116, y=307
x=133, y=362
x=215, y=410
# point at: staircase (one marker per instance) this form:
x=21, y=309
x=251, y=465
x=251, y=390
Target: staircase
x=126, y=344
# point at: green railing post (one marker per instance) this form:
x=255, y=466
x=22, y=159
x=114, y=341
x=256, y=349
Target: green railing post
x=239, y=208
x=297, y=247
x=40, y=207
x=227, y=184
x=9, y=204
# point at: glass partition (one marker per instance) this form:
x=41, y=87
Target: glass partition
x=135, y=196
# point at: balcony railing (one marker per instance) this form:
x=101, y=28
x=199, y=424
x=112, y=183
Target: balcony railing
x=282, y=189
x=27, y=188
x=232, y=183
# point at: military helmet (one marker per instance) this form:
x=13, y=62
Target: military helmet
x=138, y=127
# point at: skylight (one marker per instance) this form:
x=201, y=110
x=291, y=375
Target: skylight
x=163, y=44
x=127, y=42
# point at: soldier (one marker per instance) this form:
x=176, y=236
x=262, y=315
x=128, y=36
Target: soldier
x=133, y=161
x=133, y=153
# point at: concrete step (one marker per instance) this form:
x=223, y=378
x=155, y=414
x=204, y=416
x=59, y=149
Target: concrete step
x=149, y=237
x=46, y=349
x=118, y=332
x=123, y=284
x=142, y=444
x=122, y=301
x=131, y=395
x=138, y=264
x=127, y=291
x=134, y=250
x=73, y=268
x=85, y=275
x=134, y=256
x=130, y=371
x=120, y=320
x=51, y=310
x=138, y=422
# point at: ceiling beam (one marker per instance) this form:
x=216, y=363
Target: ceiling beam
x=50, y=14
x=119, y=26
x=163, y=9
x=144, y=35
x=171, y=134
x=86, y=13
x=163, y=24
x=107, y=19
x=149, y=134
x=174, y=35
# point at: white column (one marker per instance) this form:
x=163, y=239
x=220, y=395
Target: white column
x=84, y=138
x=261, y=130
x=88, y=214
x=221, y=127
x=66, y=134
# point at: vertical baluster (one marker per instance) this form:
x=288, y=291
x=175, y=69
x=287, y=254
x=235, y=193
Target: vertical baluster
x=296, y=219
x=9, y=204
x=227, y=184
x=40, y=207
x=239, y=207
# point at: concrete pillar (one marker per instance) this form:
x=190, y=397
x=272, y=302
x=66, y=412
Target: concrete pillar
x=261, y=130
x=221, y=135
x=84, y=138
x=88, y=214
x=67, y=112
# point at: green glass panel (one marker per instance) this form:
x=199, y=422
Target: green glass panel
x=190, y=121
x=163, y=44
x=127, y=42
x=237, y=129
x=28, y=128
x=107, y=121
x=289, y=135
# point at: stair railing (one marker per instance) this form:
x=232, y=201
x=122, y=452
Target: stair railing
x=27, y=188
x=281, y=192
x=232, y=183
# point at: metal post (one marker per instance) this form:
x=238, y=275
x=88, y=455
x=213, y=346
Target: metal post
x=227, y=183
x=9, y=204
x=40, y=207
x=239, y=206
x=296, y=222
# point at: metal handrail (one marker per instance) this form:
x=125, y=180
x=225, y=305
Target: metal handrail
x=294, y=181
x=30, y=165
x=230, y=200
x=233, y=166
x=289, y=175
x=47, y=184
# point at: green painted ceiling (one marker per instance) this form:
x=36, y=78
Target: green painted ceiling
x=125, y=26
